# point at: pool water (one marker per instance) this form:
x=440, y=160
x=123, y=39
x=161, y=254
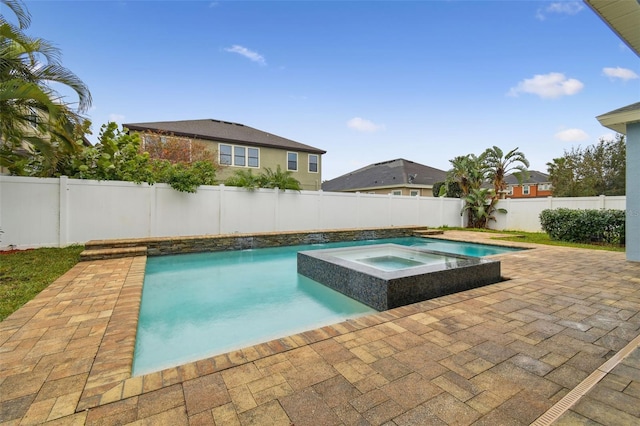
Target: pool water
x=200, y=305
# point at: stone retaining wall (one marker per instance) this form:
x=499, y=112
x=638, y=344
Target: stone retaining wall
x=208, y=243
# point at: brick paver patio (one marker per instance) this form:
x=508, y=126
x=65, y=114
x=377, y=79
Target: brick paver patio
x=557, y=343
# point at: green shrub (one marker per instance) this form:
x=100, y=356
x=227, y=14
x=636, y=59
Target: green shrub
x=584, y=226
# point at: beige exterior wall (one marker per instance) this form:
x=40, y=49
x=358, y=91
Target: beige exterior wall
x=268, y=158
x=422, y=191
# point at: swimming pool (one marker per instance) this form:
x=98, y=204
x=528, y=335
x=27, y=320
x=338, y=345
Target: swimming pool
x=199, y=305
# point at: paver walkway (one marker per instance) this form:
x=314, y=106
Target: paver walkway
x=566, y=323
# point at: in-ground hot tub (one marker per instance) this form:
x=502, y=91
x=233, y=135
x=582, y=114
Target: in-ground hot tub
x=386, y=276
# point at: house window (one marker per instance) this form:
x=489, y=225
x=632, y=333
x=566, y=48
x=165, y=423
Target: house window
x=292, y=161
x=254, y=157
x=525, y=190
x=398, y=192
x=33, y=118
x=510, y=190
x=239, y=158
x=414, y=192
x=225, y=154
x=544, y=186
x=313, y=163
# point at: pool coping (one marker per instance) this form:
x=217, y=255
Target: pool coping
x=110, y=377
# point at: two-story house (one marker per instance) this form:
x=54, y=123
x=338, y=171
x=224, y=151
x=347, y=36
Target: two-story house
x=537, y=184
x=397, y=177
x=237, y=147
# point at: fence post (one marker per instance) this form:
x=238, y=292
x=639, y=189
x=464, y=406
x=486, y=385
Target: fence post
x=549, y=202
x=319, y=208
x=153, y=206
x=276, y=210
x=358, y=208
x=221, y=228
x=63, y=209
x=602, y=201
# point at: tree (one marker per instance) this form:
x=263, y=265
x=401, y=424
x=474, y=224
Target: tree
x=498, y=166
x=279, y=179
x=31, y=111
x=471, y=172
x=595, y=170
x=244, y=179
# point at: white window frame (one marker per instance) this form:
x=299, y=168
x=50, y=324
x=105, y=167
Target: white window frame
x=289, y=168
x=230, y=162
x=526, y=190
x=249, y=157
x=414, y=192
x=232, y=156
x=317, y=162
x=510, y=190
x=396, y=192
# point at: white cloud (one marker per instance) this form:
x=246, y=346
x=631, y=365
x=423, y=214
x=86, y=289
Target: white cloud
x=572, y=135
x=565, y=8
x=116, y=118
x=552, y=85
x=249, y=54
x=362, y=125
x=621, y=73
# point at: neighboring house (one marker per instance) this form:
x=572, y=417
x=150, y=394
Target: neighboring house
x=397, y=177
x=536, y=185
x=237, y=147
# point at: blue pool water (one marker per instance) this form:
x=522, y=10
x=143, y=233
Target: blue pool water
x=199, y=305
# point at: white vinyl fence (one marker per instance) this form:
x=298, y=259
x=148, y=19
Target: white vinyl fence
x=52, y=212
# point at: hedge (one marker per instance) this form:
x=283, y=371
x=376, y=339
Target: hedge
x=584, y=226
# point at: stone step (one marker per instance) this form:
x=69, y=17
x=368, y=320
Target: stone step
x=113, y=253
x=112, y=244
x=427, y=232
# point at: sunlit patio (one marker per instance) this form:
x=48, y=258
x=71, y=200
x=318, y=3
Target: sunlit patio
x=554, y=344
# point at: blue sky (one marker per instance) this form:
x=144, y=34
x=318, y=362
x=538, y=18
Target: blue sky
x=366, y=81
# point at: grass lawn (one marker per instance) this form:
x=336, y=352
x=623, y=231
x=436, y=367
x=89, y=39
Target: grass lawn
x=25, y=273
x=540, y=238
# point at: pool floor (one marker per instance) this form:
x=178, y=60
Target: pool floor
x=199, y=305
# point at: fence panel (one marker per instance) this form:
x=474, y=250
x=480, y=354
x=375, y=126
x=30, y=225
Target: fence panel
x=29, y=212
x=37, y=212
x=179, y=213
x=107, y=209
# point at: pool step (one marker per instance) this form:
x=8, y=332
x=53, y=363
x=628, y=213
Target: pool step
x=427, y=232
x=112, y=253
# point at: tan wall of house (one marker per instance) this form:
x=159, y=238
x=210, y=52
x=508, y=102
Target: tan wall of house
x=269, y=158
x=422, y=192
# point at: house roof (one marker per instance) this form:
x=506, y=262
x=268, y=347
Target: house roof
x=622, y=16
x=222, y=131
x=534, y=177
x=399, y=172
x=619, y=118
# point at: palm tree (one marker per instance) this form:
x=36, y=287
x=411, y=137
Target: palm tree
x=279, y=179
x=244, y=179
x=500, y=165
x=30, y=109
x=468, y=171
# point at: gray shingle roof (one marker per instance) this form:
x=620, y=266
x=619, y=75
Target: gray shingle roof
x=534, y=177
x=399, y=172
x=223, y=131
x=628, y=108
